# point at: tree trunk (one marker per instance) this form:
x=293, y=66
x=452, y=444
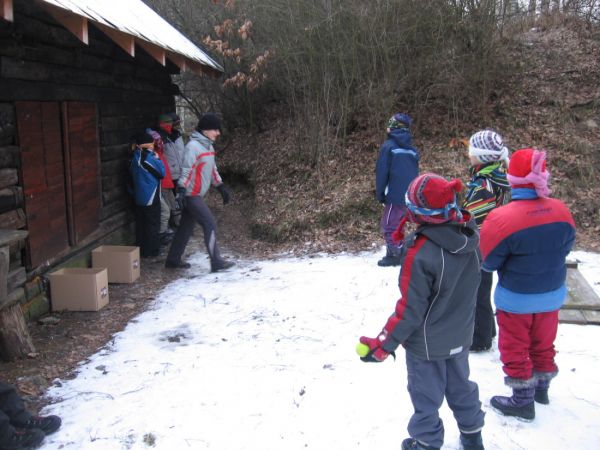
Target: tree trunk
x=532, y=7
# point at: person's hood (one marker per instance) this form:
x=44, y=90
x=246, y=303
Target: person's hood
x=402, y=137
x=197, y=136
x=455, y=237
x=493, y=171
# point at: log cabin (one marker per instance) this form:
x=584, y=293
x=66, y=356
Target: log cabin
x=77, y=79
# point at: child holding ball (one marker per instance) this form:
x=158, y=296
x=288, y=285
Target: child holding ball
x=434, y=317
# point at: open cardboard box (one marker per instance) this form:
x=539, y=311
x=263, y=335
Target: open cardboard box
x=121, y=261
x=78, y=289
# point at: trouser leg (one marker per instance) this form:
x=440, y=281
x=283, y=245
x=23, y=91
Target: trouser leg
x=165, y=211
x=182, y=237
x=514, y=343
x=392, y=214
x=426, y=387
x=201, y=213
x=462, y=395
x=151, y=228
x=484, y=314
x=12, y=410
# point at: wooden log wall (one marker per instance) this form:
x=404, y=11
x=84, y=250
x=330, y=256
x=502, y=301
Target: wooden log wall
x=42, y=61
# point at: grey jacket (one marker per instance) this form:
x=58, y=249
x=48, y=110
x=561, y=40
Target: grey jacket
x=438, y=284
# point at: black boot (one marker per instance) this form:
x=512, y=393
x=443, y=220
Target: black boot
x=221, y=265
x=541, y=391
x=413, y=444
x=391, y=258
x=22, y=439
x=520, y=405
x=48, y=424
x=471, y=441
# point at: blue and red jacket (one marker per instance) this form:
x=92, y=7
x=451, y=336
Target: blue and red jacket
x=527, y=242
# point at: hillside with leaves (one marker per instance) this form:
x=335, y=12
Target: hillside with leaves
x=551, y=101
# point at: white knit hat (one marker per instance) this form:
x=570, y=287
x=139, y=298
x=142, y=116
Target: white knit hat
x=487, y=146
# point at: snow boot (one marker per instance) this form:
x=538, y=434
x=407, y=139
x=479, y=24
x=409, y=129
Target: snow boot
x=413, y=444
x=48, y=424
x=520, y=405
x=471, y=441
x=221, y=265
x=391, y=258
x=22, y=439
x=541, y=391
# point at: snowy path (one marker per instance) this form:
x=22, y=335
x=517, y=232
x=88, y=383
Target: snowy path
x=262, y=357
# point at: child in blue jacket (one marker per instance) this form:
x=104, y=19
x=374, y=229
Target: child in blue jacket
x=397, y=166
x=146, y=171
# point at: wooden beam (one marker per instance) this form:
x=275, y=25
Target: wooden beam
x=6, y=10
x=123, y=40
x=76, y=24
x=155, y=51
x=178, y=60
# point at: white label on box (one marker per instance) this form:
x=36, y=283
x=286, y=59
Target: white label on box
x=103, y=292
x=136, y=263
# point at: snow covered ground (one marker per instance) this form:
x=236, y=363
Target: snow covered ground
x=262, y=357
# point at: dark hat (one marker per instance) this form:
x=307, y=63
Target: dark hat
x=209, y=121
x=399, y=120
x=143, y=138
x=165, y=118
x=174, y=117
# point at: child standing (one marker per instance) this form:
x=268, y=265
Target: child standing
x=146, y=171
x=488, y=188
x=433, y=319
x=527, y=242
x=397, y=165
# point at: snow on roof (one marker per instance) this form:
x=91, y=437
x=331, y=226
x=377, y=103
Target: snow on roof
x=137, y=19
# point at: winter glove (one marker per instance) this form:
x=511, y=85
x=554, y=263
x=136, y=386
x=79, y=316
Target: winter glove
x=180, y=198
x=375, y=352
x=224, y=193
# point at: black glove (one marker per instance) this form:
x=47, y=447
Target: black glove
x=224, y=193
x=180, y=198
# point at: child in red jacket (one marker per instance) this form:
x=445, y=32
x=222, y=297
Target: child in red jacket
x=527, y=242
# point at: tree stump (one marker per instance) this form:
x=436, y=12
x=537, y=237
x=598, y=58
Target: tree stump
x=15, y=340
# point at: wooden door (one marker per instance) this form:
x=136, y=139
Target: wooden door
x=82, y=173
x=42, y=172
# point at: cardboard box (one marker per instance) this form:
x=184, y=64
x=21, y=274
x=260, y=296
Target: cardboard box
x=78, y=289
x=122, y=262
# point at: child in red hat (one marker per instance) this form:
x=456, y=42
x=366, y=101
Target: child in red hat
x=433, y=319
x=527, y=242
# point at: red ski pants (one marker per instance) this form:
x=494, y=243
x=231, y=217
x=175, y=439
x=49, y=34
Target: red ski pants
x=526, y=343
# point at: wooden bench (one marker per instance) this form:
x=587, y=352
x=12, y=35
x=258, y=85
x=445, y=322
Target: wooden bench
x=583, y=304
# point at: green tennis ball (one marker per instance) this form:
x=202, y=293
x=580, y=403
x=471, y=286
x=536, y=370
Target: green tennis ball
x=362, y=349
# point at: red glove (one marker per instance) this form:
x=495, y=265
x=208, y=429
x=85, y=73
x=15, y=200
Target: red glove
x=376, y=352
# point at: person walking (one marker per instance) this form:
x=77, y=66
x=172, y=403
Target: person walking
x=397, y=166
x=487, y=189
x=527, y=242
x=433, y=319
x=198, y=173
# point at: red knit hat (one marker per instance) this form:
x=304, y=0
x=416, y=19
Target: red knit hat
x=430, y=198
x=527, y=169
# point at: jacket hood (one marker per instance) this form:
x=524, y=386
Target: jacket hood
x=197, y=136
x=455, y=237
x=402, y=137
x=494, y=172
